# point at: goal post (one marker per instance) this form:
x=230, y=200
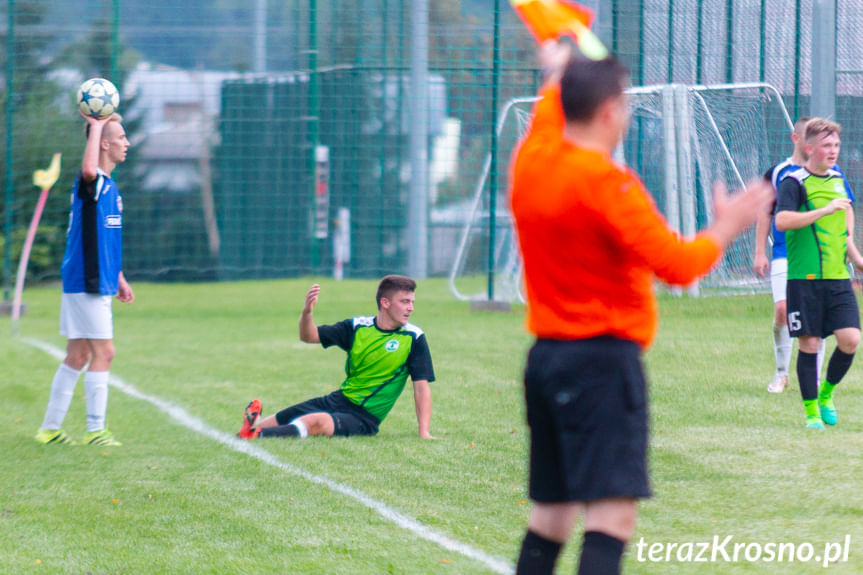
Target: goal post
x=736, y=132
x=682, y=139
x=515, y=115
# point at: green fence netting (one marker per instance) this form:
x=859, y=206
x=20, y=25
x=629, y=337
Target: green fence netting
x=257, y=126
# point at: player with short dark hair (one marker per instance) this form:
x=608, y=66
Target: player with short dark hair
x=816, y=213
x=383, y=350
x=592, y=243
x=92, y=273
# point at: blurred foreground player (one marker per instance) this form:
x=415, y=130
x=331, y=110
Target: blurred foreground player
x=593, y=242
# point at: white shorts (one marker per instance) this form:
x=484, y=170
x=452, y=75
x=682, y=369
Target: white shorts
x=86, y=316
x=778, y=278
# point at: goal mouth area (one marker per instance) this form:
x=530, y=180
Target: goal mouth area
x=681, y=140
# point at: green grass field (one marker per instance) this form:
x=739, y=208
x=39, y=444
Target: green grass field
x=184, y=497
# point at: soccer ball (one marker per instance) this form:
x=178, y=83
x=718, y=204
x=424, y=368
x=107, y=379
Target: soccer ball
x=98, y=98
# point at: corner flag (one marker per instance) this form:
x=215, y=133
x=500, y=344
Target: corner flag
x=550, y=19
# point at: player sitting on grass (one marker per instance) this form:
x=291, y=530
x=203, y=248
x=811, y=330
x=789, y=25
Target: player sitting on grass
x=382, y=351
x=814, y=210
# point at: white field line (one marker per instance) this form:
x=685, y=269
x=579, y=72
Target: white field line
x=188, y=420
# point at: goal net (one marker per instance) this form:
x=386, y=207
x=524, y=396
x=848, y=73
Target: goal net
x=681, y=140
x=473, y=269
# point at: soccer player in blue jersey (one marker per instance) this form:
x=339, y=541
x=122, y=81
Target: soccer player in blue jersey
x=92, y=273
x=778, y=264
x=383, y=350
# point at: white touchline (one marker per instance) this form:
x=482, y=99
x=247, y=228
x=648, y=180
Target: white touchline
x=184, y=418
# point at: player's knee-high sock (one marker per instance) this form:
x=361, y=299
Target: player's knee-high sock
x=600, y=554
x=820, y=362
x=839, y=364
x=96, y=390
x=538, y=555
x=808, y=379
x=295, y=428
x=62, y=388
x=781, y=348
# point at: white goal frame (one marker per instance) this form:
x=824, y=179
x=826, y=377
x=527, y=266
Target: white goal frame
x=680, y=184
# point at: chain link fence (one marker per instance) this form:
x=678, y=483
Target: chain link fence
x=265, y=134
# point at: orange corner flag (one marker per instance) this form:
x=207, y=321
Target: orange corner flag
x=551, y=19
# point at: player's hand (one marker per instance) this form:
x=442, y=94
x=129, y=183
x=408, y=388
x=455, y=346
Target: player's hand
x=735, y=213
x=744, y=206
x=124, y=292
x=761, y=266
x=837, y=204
x=553, y=57
x=94, y=121
x=311, y=298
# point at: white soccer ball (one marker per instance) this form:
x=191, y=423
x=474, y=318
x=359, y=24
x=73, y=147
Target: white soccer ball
x=98, y=98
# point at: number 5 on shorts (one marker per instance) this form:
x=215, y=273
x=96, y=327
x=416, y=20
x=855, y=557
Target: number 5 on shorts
x=794, y=321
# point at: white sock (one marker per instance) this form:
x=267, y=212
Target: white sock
x=820, y=359
x=304, y=431
x=62, y=388
x=96, y=389
x=781, y=348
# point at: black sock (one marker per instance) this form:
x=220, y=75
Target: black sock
x=600, y=554
x=839, y=364
x=538, y=555
x=287, y=430
x=807, y=374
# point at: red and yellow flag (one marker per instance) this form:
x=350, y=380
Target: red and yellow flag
x=551, y=19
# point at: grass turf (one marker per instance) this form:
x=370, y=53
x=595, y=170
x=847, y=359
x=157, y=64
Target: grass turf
x=727, y=458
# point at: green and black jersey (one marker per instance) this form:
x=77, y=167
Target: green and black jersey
x=816, y=251
x=379, y=361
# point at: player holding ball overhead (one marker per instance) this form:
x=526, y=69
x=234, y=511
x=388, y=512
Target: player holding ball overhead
x=92, y=273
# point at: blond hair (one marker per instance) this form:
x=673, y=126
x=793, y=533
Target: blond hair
x=115, y=117
x=818, y=126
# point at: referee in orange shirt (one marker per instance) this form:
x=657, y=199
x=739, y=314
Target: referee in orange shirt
x=593, y=243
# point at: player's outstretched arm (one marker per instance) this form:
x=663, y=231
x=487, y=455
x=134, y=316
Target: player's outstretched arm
x=422, y=400
x=308, y=329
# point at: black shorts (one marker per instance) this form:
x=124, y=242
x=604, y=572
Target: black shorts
x=820, y=307
x=348, y=417
x=587, y=413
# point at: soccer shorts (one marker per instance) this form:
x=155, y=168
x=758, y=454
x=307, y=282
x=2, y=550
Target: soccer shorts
x=86, y=316
x=587, y=414
x=820, y=307
x=778, y=278
x=348, y=417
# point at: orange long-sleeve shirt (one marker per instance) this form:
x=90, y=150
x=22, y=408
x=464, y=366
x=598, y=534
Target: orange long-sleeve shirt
x=591, y=238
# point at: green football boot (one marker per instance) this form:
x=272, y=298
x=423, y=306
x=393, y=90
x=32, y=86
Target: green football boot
x=102, y=438
x=53, y=437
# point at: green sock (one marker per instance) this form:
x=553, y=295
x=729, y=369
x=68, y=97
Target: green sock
x=811, y=407
x=826, y=391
